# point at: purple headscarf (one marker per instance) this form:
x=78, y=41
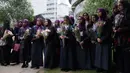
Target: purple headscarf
x=104, y=13
x=26, y=21
x=72, y=19
x=82, y=24
x=57, y=21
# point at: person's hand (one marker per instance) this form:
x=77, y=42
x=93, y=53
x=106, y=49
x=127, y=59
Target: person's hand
x=119, y=29
x=37, y=36
x=62, y=37
x=99, y=40
x=81, y=43
x=47, y=30
x=114, y=29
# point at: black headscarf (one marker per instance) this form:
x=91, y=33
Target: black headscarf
x=6, y=25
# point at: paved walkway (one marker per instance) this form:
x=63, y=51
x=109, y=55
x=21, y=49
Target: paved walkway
x=16, y=69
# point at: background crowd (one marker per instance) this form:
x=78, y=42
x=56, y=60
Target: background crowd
x=96, y=41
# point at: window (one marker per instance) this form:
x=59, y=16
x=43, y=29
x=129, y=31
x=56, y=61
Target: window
x=50, y=4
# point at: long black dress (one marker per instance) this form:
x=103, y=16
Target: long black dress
x=103, y=49
x=122, y=39
x=16, y=54
x=26, y=44
x=1, y=48
x=52, y=46
x=84, y=50
x=7, y=49
x=37, y=48
x=92, y=43
x=68, y=58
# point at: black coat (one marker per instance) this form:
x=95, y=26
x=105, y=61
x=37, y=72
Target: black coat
x=122, y=43
x=37, y=48
x=68, y=52
x=103, y=49
x=52, y=46
x=84, y=53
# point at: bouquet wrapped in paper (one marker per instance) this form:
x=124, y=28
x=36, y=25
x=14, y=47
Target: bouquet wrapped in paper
x=99, y=27
x=59, y=30
x=77, y=33
x=27, y=33
x=45, y=33
x=7, y=33
x=62, y=32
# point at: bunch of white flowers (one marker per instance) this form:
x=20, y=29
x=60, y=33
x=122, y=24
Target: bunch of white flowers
x=45, y=33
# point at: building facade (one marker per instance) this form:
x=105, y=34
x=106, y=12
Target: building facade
x=62, y=10
x=56, y=10
x=51, y=12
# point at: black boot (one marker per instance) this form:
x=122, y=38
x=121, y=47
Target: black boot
x=99, y=70
x=37, y=67
x=24, y=65
x=65, y=70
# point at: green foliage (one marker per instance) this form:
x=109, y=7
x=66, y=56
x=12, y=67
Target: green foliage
x=15, y=9
x=129, y=1
x=92, y=5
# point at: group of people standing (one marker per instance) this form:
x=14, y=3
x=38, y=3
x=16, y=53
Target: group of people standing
x=86, y=44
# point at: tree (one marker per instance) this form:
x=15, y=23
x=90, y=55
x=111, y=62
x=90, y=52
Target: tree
x=92, y=5
x=15, y=10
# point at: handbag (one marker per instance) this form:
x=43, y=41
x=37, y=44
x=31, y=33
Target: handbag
x=16, y=47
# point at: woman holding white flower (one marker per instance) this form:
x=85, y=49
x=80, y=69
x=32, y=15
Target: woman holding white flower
x=52, y=45
x=25, y=37
x=38, y=44
x=68, y=57
x=7, y=37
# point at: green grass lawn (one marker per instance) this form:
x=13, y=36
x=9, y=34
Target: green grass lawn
x=58, y=71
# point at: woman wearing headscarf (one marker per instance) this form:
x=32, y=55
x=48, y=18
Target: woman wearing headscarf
x=68, y=59
x=7, y=37
x=52, y=45
x=83, y=52
x=1, y=47
x=121, y=31
x=103, y=45
x=25, y=37
x=37, y=44
x=57, y=24
x=20, y=23
x=16, y=52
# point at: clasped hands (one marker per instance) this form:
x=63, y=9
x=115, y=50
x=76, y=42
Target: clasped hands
x=116, y=30
x=63, y=37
